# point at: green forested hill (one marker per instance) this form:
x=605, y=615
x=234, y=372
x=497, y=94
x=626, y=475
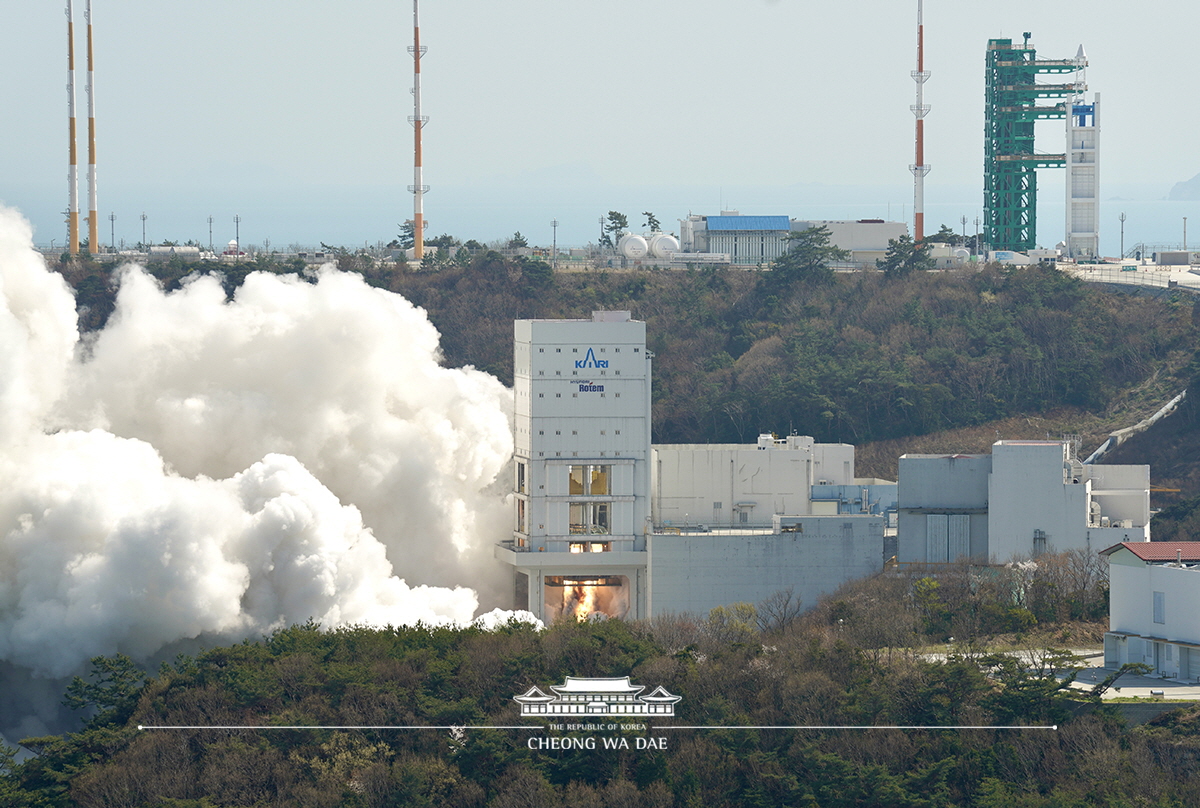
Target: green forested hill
x=830, y=671
x=854, y=358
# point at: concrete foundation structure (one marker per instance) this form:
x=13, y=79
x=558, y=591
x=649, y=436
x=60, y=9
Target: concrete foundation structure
x=810, y=555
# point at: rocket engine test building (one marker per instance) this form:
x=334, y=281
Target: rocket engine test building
x=605, y=522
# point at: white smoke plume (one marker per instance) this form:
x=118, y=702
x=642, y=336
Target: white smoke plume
x=203, y=468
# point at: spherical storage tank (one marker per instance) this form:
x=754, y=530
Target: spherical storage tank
x=663, y=244
x=632, y=247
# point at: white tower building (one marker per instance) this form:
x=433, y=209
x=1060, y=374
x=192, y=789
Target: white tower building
x=1083, y=169
x=582, y=473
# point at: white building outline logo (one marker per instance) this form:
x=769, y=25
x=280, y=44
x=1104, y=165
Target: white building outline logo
x=579, y=695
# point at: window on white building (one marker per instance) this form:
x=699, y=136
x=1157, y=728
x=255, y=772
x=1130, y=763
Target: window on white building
x=590, y=518
x=590, y=480
x=1160, y=607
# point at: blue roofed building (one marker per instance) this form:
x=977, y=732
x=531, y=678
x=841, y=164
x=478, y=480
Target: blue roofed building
x=748, y=240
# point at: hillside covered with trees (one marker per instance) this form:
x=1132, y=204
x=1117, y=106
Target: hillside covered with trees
x=843, y=357
x=345, y=706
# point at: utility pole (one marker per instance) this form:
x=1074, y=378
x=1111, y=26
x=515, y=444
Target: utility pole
x=1122, y=218
x=554, y=248
x=237, y=238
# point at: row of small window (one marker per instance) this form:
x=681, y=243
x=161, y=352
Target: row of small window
x=575, y=395
x=576, y=454
x=576, y=373
x=576, y=432
x=576, y=350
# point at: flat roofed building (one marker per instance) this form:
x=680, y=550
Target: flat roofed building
x=734, y=485
x=1024, y=499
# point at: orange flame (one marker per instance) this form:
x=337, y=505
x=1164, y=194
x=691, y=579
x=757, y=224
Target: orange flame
x=579, y=601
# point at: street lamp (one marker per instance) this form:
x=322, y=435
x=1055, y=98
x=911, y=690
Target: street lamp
x=1122, y=218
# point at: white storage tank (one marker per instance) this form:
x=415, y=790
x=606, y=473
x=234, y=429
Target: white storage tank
x=633, y=247
x=662, y=245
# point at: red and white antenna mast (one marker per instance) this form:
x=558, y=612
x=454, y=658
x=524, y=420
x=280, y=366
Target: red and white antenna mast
x=73, y=169
x=418, y=121
x=920, y=109
x=93, y=215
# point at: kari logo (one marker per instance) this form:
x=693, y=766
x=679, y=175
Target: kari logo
x=590, y=361
x=581, y=696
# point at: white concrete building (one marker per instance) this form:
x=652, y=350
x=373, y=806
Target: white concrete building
x=582, y=451
x=582, y=518
x=1154, y=607
x=1026, y=498
x=866, y=239
x=739, y=485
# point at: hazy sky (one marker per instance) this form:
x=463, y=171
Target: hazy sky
x=293, y=114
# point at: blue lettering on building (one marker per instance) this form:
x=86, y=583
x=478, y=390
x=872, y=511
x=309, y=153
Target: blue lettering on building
x=590, y=361
x=588, y=387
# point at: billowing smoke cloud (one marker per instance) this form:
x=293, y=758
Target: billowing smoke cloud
x=213, y=469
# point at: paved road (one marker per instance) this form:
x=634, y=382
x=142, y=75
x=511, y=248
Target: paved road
x=1130, y=685
x=1152, y=276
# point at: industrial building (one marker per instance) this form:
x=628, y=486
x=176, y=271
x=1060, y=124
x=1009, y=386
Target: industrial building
x=603, y=521
x=1024, y=499
x=759, y=240
x=1154, y=607
x=734, y=485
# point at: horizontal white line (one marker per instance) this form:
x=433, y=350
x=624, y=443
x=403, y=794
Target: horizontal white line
x=656, y=728
x=277, y=726
x=947, y=726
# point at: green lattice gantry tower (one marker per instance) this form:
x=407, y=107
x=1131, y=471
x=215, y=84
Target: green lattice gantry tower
x=1010, y=162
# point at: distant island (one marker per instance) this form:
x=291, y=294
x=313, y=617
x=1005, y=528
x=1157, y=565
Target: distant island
x=1186, y=191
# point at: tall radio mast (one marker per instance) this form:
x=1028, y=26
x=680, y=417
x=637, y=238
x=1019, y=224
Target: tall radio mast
x=93, y=215
x=73, y=169
x=920, y=109
x=418, y=121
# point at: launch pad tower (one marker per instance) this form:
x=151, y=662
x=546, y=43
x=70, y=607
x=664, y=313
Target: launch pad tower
x=1014, y=103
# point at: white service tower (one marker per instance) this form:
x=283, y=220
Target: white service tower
x=582, y=466
x=1083, y=169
